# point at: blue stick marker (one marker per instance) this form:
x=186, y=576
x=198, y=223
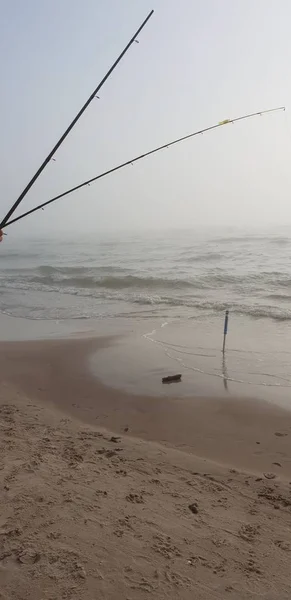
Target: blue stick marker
x=225, y=330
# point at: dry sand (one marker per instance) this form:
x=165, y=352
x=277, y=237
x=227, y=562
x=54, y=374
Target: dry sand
x=86, y=515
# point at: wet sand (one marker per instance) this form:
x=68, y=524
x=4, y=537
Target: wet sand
x=231, y=430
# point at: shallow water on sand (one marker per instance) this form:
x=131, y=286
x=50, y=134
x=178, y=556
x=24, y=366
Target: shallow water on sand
x=256, y=362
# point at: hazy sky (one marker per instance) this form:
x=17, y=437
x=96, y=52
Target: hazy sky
x=198, y=62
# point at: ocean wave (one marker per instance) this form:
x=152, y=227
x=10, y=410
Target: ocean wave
x=16, y=255
x=230, y=239
x=279, y=297
x=112, y=282
x=119, y=278
x=93, y=279
x=214, y=307
x=141, y=298
x=203, y=258
x=44, y=314
x=280, y=241
x=255, y=238
x=82, y=270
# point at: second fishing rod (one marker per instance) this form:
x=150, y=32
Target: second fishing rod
x=140, y=157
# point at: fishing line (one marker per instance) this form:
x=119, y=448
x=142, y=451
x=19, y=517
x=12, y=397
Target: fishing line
x=140, y=157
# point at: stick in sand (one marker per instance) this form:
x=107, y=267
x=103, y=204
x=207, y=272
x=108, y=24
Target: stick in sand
x=225, y=330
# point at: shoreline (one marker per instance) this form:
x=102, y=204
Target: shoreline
x=242, y=432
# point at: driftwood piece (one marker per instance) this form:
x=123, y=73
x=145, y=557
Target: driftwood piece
x=171, y=378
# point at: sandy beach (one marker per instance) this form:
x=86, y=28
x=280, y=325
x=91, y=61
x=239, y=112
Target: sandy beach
x=117, y=496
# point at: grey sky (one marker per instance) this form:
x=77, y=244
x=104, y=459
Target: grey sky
x=198, y=62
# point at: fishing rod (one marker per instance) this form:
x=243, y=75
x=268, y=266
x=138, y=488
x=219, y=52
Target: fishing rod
x=63, y=137
x=140, y=157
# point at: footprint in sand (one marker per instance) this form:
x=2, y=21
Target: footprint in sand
x=249, y=532
x=165, y=547
x=269, y=475
x=29, y=556
x=252, y=567
x=283, y=545
x=174, y=578
x=101, y=493
x=135, y=498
